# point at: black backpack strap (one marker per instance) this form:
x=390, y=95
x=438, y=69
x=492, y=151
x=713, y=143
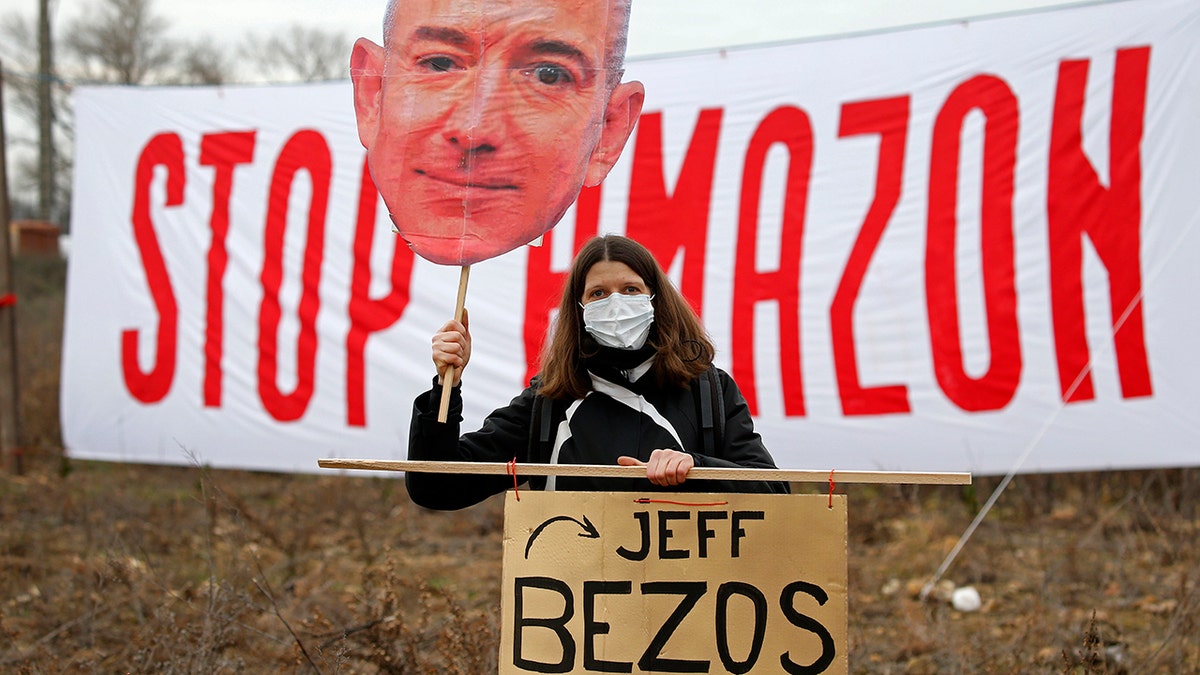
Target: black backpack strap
x=710, y=406
x=542, y=426
x=545, y=428
x=718, y=409
x=705, y=410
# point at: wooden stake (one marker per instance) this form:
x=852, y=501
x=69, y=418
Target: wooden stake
x=448, y=376
x=613, y=471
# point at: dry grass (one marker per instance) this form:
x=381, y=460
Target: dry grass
x=38, y=284
x=1079, y=573
x=121, y=568
x=156, y=569
x=159, y=569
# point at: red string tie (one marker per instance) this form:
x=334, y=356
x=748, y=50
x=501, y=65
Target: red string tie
x=831, y=486
x=512, y=471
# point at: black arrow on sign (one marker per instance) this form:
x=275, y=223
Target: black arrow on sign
x=589, y=530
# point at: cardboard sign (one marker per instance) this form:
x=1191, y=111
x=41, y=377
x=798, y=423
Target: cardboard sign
x=677, y=583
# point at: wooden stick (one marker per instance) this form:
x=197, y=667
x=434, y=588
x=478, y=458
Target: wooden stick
x=613, y=471
x=448, y=376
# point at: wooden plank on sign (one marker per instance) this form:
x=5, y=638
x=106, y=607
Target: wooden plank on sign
x=612, y=471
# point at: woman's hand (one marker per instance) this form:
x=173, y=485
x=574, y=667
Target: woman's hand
x=666, y=467
x=452, y=347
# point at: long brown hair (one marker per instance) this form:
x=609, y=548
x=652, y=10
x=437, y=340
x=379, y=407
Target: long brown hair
x=683, y=349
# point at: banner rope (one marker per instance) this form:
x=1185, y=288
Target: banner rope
x=1037, y=438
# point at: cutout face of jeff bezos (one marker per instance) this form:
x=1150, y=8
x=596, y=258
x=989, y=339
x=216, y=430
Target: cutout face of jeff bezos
x=482, y=119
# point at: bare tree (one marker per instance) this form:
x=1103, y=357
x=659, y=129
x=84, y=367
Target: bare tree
x=202, y=62
x=38, y=101
x=128, y=42
x=299, y=54
x=112, y=41
x=120, y=41
x=18, y=49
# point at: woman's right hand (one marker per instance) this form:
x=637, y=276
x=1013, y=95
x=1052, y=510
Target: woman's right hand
x=452, y=347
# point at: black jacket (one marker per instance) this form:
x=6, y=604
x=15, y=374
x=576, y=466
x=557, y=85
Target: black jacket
x=604, y=432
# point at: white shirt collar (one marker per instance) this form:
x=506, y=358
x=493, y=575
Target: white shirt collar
x=634, y=374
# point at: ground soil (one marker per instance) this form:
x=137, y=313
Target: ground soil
x=123, y=568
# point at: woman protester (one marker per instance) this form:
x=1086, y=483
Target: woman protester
x=627, y=378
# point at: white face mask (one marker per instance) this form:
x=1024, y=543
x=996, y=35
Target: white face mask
x=620, y=321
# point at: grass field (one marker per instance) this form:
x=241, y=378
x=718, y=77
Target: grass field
x=123, y=568
x=109, y=568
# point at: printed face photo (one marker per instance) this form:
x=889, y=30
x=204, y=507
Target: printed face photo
x=482, y=119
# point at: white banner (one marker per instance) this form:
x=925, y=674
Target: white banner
x=957, y=248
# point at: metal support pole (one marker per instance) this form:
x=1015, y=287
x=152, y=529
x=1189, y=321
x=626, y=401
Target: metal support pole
x=10, y=420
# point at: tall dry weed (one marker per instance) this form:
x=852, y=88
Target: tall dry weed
x=39, y=283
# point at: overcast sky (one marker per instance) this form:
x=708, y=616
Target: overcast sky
x=656, y=27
